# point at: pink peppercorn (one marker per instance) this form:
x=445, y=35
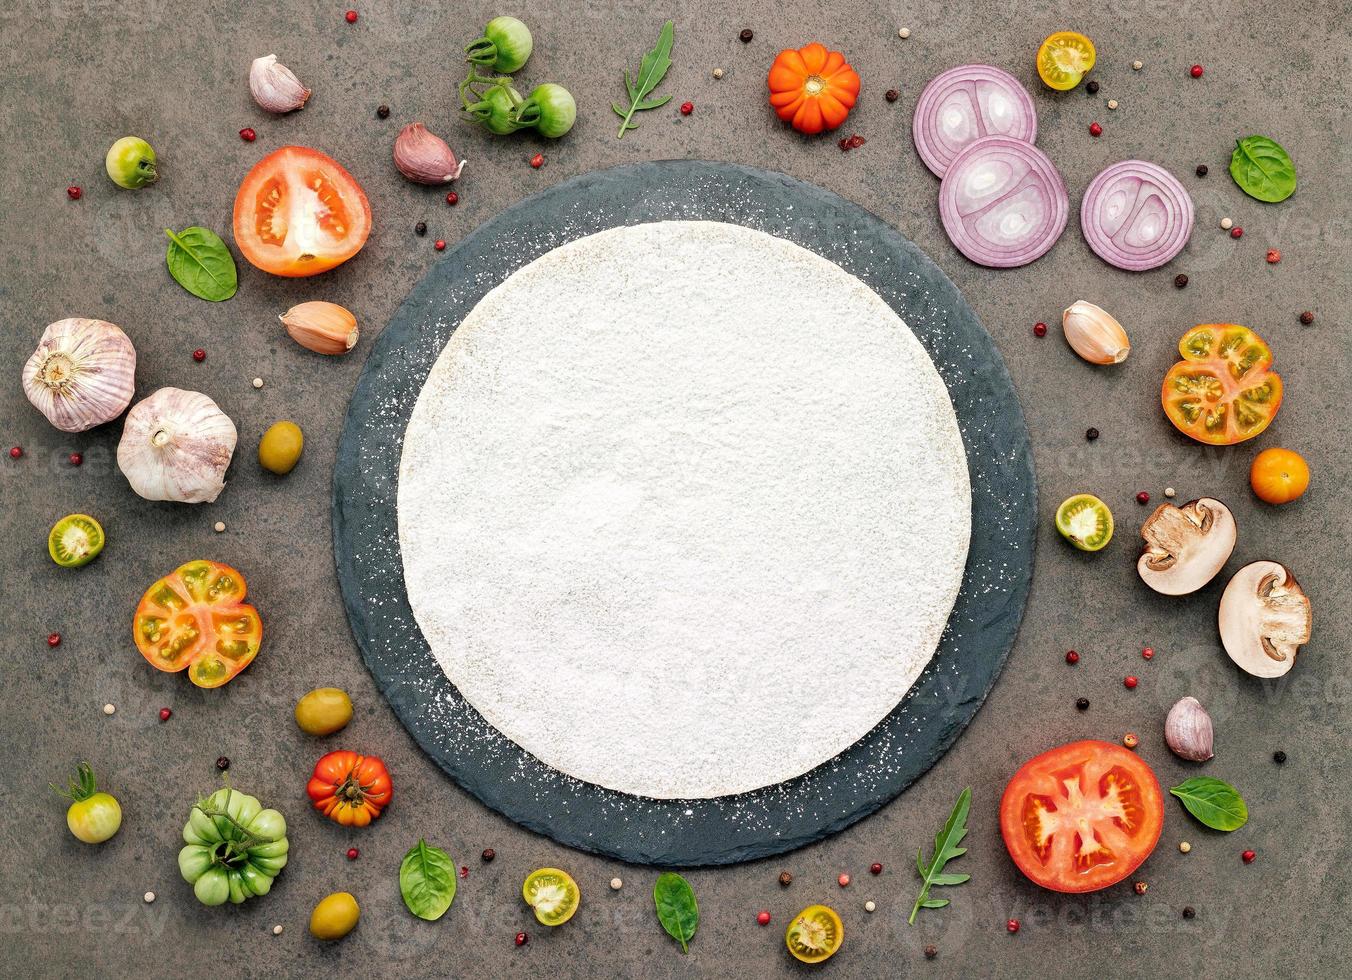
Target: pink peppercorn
x=1236, y=232
x=1012, y=925
x=1148, y=653
x=15, y=452
x=522, y=939
x=73, y=192
x=1273, y=256
x=199, y=355
x=1143, y=498
x=1129, y=682
x=53, y=639
x=537, y=161
x=687, y=108
x=75, y=459
x=350, y=16
x=763, y=918
x=1039, y=329
x=247, y=134
x=165, y=714
x=452, y=198
x=1095, y=129
x=843, y=879
x=353, y=854
x=1072, y=657
x=1248, y=857
x=875, y=869
x=1195, y=71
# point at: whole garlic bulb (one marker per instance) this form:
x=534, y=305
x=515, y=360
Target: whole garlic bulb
x=1094, y=334
x=274, y=86
x=1187, y=729
x=176, y=445
x=82, y=374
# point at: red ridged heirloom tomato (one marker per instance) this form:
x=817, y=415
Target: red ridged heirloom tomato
x=350, y=789
x=195, y=618
x=812, y=88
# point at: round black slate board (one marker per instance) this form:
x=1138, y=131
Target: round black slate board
x=768, y=821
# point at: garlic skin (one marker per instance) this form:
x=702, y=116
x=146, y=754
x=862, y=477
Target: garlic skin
x=1094, y=334
x=274, y=86
x=325, y=328
x=82, y=374
x=425, y=158
x=1187, y=729
x=176, y=445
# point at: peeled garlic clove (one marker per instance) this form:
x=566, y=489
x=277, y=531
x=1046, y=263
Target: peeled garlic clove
x=325, y=328
x=82, y=373
x=1187, y=729
x=1094, y=334
x=274, y=86
x=176, y=445
x=425, y=158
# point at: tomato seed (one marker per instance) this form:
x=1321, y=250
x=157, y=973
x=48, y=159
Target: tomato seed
x=1129, y=682
x=353, y=854
x=165, y=714
x=763, y=917
x=53, y=639
x=199, y=355
x=247, y=134
x=537, y=161
x=464, y=872
x=687, y=108
x=1012, y=925
x=522, y=939
x=1095, y=129
x=73, y=192
x=1248, y=857
x=1072, y=657
x=1130, y=740
x=75, y=459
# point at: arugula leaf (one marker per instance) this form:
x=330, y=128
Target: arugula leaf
x=945, y=849
x=1262, y=169
x=651, y=71
x=201, y=264
x=1214, y=802
x=677, y=909
x=427, y=881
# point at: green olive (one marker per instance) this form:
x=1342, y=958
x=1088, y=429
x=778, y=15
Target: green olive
x=323, y=711
x=131, y=163
x=279, y=449
x=335, y=916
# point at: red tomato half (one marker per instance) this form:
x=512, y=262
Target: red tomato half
x=1082, y=817
x=299, y=213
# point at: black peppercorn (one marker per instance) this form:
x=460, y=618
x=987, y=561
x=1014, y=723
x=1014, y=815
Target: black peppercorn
x=891, y=95
x=1279, y=757
x=1091, y=433
x=1082, y=704
x=1189, y=911
x=1091, y=86
x=1180, y=280
x=931, y=952
x=420, y=228
x=785, y=879
x=222, y=763
x=489, y=854
x=746, y=35
x=383, y=111
x=1307, y=318
x=1201, y=170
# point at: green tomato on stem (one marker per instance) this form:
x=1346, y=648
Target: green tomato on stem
x=505, y=46
x=496, y=107
x=131, y=163
x=550, y=108
x=233, y=848
x=93, y=817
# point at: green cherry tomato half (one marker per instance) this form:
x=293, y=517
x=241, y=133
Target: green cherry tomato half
x=335, y=916
x=1085, y=521
x=550, y=108
x=505, y=46
x=553, y=894
x=75, y=540
x=131, y=163
x=323, y=711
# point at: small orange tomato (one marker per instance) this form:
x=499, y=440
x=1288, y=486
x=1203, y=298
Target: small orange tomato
x=350, y=789
x=1279, y=476
x=812, y=88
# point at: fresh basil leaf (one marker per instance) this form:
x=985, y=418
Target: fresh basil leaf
x=201, y=263
x=1262, y=169
x=677, y=909
x=1214, y=802
x=427, y=881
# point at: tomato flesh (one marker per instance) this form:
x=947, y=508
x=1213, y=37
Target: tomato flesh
x=553, y=894
x=299, y=213
x=814, y=934
x=195, y=619
x=1223, y=391
x=1082, y=817
x=1064, y=59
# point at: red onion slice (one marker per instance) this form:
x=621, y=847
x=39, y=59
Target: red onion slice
x=1003, y=203
x=964, y=104
x=1136, y=215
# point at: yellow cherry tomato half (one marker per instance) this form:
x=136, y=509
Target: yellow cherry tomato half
x=1279, y=476
x=553, y=894
x=335, y=916
x=1064, y=59
x=814, y=934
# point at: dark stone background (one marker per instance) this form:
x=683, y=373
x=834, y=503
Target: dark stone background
x=77, y=74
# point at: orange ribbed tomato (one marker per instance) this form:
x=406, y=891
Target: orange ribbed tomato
x=350, y=789
x=812, y=88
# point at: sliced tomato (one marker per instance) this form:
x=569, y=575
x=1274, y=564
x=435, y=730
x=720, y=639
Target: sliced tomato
x=298, y=213
x=196, y=619
x=1223, y=391
x=1064, y=59
x=814, y=934
x=1082, y=817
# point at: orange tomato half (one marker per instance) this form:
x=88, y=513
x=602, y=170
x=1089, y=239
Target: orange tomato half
x=195, y=618
x=1223, y=391
x=1279, y=476
x=812, y=88
x=299, y=213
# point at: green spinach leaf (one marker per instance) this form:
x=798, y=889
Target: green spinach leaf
x=1214, y=802
x=945, y=849
x=427, y=881
x=677, y=909
x=1262, y=169
x=202, y=264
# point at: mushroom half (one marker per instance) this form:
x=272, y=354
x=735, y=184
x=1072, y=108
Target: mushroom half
x=1186, y=546
x=1264, y=618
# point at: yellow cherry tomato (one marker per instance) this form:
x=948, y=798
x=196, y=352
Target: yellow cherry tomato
x=1279, y=476
x=335, y=916
x=814, y=934
x=553, y=894
x=1064, y=59
x=280, y=448
x=323, y=711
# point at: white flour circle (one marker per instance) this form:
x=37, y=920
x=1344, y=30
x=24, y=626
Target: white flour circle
x=683, y=509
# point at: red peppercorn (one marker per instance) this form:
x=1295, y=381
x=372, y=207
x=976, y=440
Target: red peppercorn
x=856, y=141
x=687, y=108
x=452, y=198
x=464, y=871
x=763, y=918
x=199, y=355
x=439, y=245
x=537, y=161
x=843, y=879
x=1140, y=887
x=1148, y=653
x=53, y=639
x=1248, y=857
x=522, y=939
x=843, y=143
x=353, y=853
x=73, y=192
x=1012, y=925
x=1095, y=129
x=247, y=134
x=1143, y=498
x=1129, y=682
x=350, y=16
x=76, y=459
x=875, y=869
x=1072, y=657
x=1236, y=232
x=1039, y=329
x=1273, y=256
x=15, y=452
x=1307, y=317
x=165, y=714
x=1195, y=71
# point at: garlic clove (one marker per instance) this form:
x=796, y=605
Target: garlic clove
x=176, y=445
x=425, y=158
x=1187, y=729
x=325, y=328
x=274, y=86
x=82, y=374
x=1094, y=334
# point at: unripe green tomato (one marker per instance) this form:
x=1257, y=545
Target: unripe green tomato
x=323, y=711
x=131, y=163
x=95, y=819
x=280, y=448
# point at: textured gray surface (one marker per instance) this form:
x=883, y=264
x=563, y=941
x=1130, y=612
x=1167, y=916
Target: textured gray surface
x=78, y=74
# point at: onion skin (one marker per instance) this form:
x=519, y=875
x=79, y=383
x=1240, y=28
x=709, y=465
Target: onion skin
x=82, y=374
x=960, y=87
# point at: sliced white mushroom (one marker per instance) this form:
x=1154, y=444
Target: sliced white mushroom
x=1186, y=546
x=1264, y=618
